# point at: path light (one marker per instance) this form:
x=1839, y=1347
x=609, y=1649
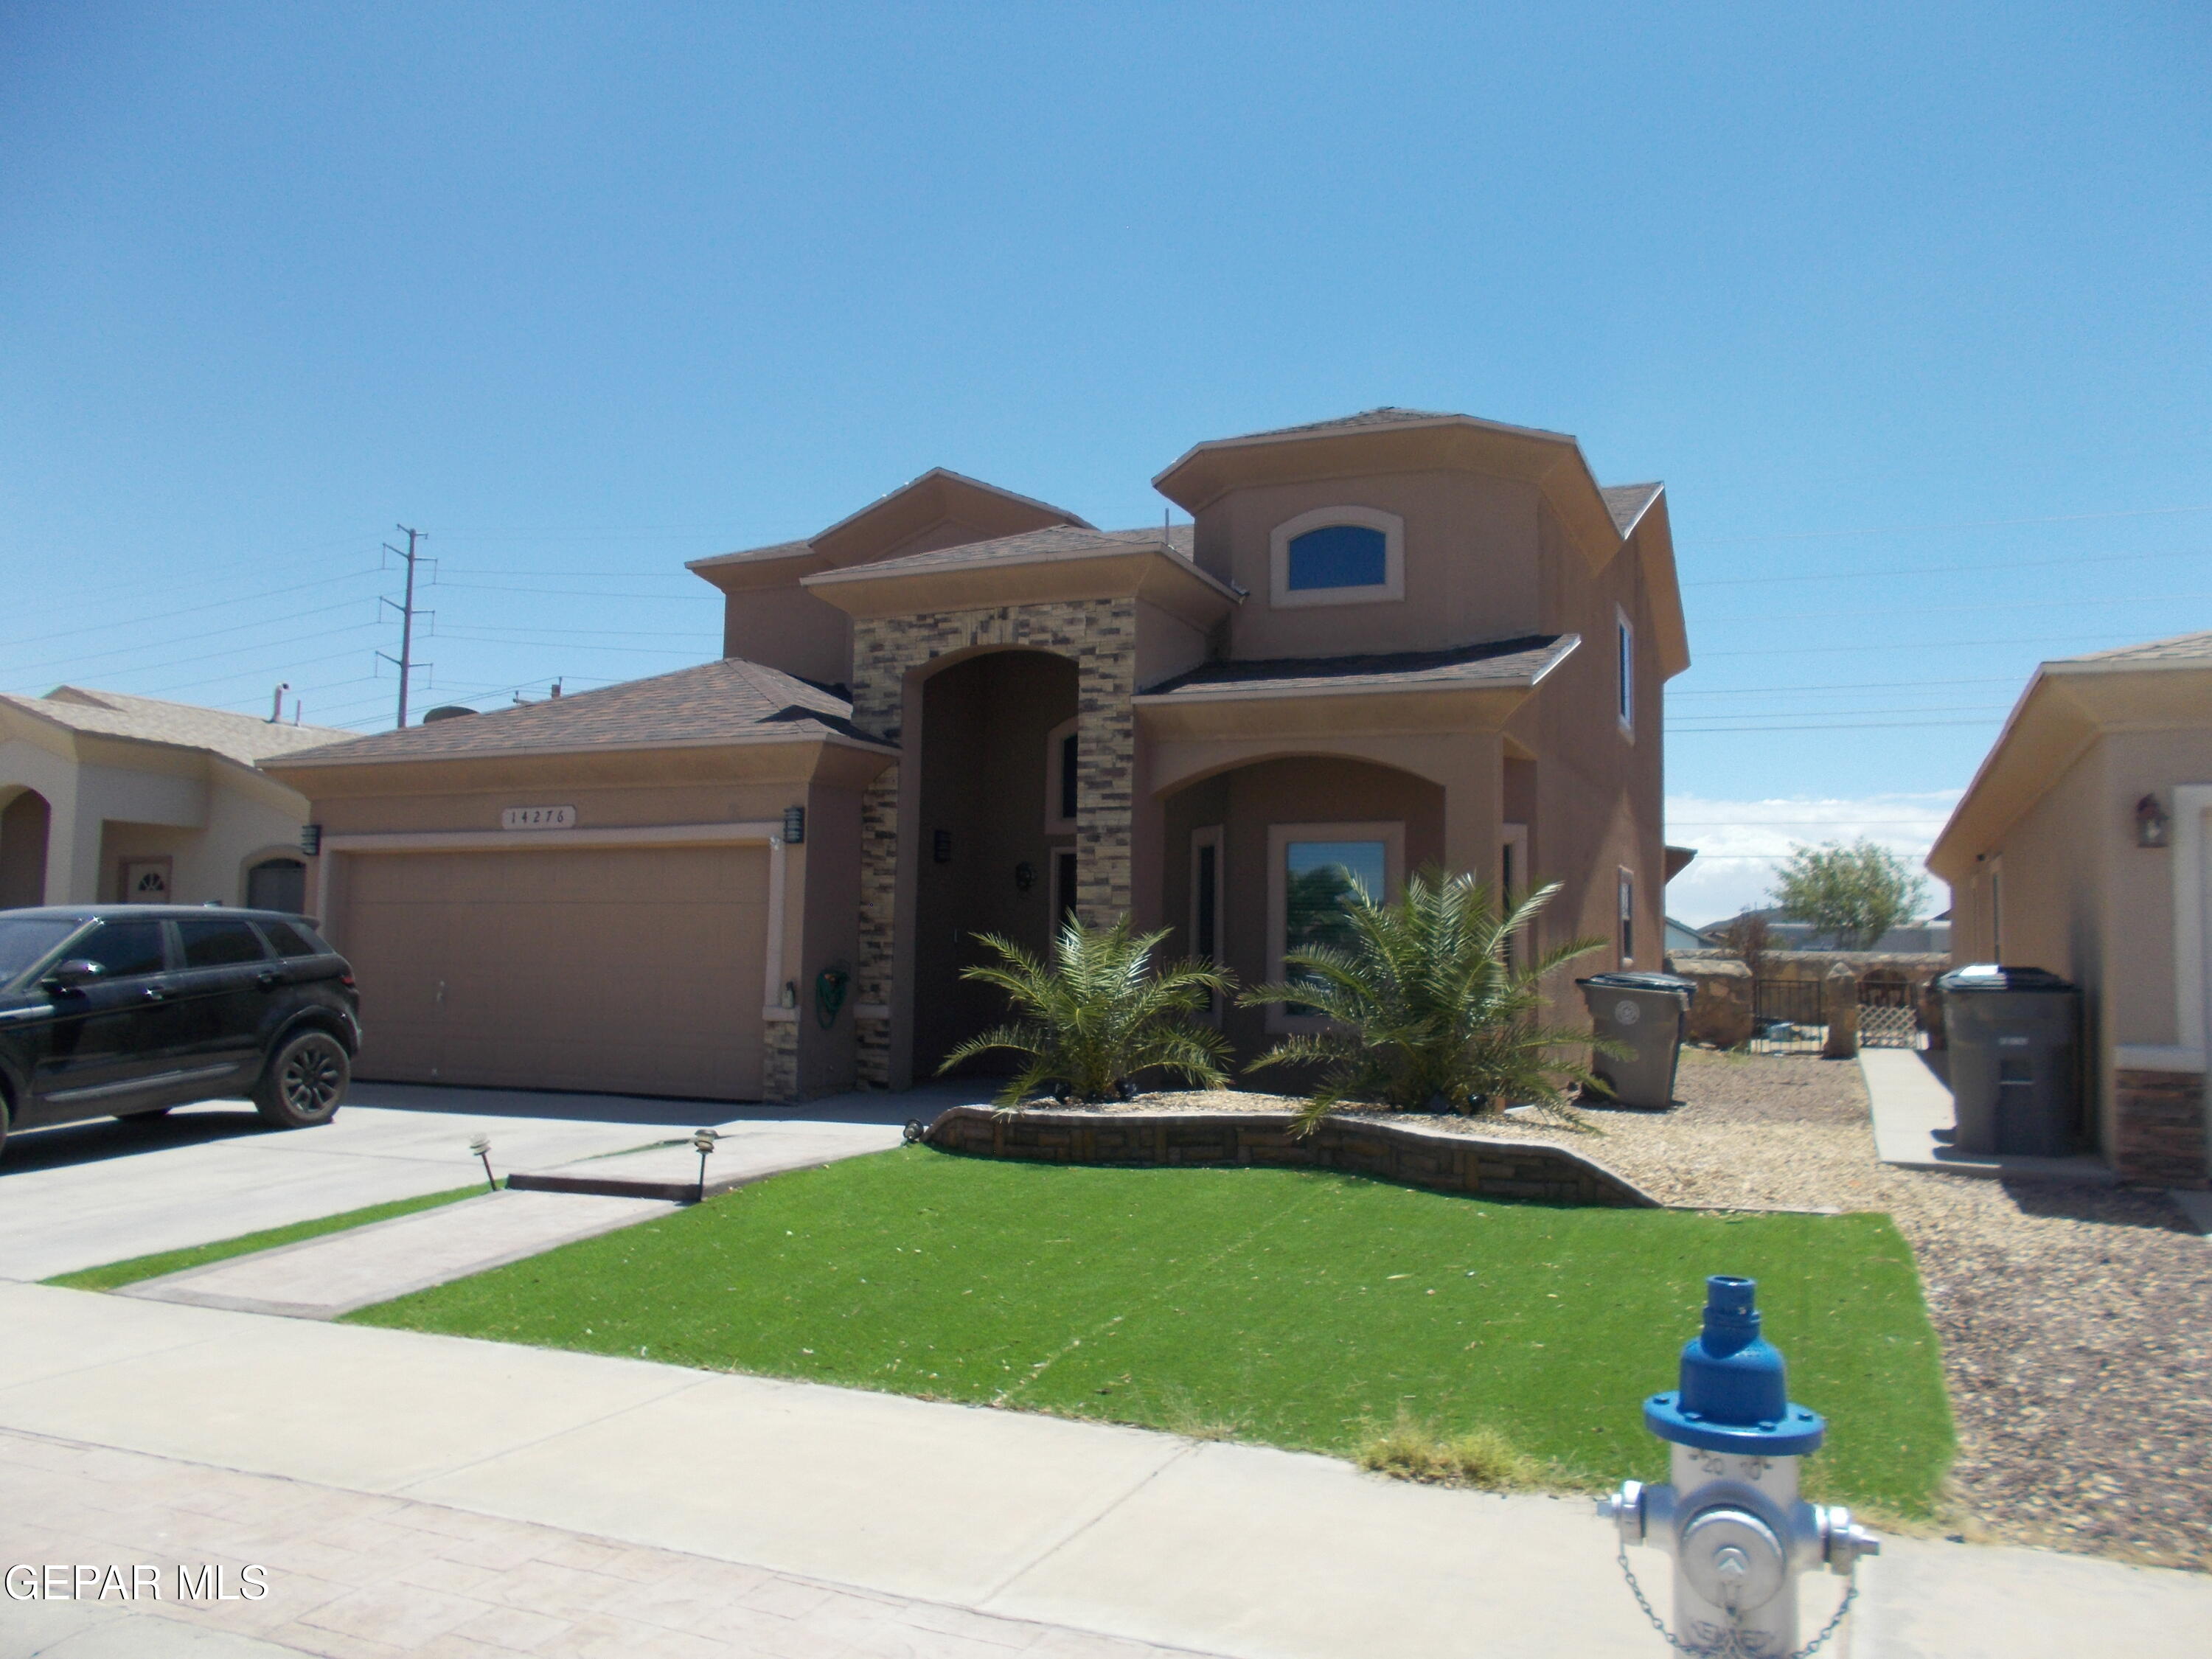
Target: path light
x=481, y=1145
x=703, y=1144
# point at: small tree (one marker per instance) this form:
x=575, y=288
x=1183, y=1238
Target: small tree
x=1856, y=893
x=1098, y=1014
x=1425, y=1005
x=1746, y=939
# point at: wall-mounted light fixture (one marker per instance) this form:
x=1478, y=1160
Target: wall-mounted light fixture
x=940, y=846
x=1025, y=876
x=790, y=998
x=2151, y=825
x=795, y=825
x=311, y=839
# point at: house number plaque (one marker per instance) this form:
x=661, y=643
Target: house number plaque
x=538, y=817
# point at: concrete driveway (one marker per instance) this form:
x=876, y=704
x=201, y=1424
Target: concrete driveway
x=84, y=1195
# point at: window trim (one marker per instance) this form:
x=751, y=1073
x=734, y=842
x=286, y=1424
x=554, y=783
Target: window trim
x=1624, y=670
x=1054, y=780
x=1624, y=927
x=1513, y=878
x=1283, y=596
x=1390, y=833
x=1206, y=835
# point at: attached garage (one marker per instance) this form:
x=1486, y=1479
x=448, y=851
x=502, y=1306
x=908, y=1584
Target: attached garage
x=648, y=889
x=630, y=970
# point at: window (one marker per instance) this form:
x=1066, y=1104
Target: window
x=1624, y=671
x=1313, y=868
x=1062, y=778
x=26, y=941
x=123, y=947
x=277, y=884
x=1512, y=881
x=1206, y=900
x=219, y=944
x=1063, y=890
x=1627, y=919
x=1338, y=556
x=1997, y=909
x=290, y=941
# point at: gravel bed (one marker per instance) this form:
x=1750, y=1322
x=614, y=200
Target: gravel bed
x=2076, y=1320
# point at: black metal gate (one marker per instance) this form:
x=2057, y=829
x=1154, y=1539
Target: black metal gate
x=1786, y=1017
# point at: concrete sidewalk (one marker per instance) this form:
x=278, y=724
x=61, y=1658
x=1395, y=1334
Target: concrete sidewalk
x=1913, y=1121
x=1220, y=1549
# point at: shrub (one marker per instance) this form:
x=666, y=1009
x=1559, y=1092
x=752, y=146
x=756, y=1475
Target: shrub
x=1097, y=1015
x=1427, y=1009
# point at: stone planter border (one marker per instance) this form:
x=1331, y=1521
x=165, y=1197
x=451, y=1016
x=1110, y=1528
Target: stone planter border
x=1442, y=1161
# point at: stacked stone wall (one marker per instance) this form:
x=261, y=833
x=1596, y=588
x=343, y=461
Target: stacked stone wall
x=1414, y=1157
x=1100, y=636
x=779, y=1060
x=2158, y=1124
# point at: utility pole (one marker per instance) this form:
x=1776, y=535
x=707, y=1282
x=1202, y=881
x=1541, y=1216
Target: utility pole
x=406, y=657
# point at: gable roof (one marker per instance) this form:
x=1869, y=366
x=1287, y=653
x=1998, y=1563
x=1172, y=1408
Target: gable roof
x=2068, y=704
x=901, y=515
x=244, y=738
x=1628, y=503
x=731, y=701
x=1058, y=541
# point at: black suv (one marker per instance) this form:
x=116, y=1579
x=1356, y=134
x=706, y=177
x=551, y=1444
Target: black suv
x=117, y=1010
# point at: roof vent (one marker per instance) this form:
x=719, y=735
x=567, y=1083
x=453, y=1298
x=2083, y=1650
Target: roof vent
x=447, y=711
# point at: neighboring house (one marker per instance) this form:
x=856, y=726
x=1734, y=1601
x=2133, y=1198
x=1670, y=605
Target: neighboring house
x=1396, y=639
x=1906, y=938
x=1680, y=936
x=2080, y=847
x=109, y=799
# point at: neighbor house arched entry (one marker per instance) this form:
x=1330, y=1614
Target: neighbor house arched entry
x=25, y=823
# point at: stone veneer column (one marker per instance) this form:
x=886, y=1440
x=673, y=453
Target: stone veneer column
x=779, y=1060
x=2157, y=1126
x=1100, y=635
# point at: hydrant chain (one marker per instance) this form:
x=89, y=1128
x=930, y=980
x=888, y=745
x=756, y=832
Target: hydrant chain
x=1732, y=1640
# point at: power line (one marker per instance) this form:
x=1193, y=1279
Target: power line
x=1962, y=524
x=2072, y=603
x=1886, y=725
x=1844, y=685
x=1944, y=569
x=109, y=626
x=206, y=634
x=1870, y=648
x=1825, y=714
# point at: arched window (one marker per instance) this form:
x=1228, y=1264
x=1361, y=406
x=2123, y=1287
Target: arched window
x=277, y=884
x=1338, y=556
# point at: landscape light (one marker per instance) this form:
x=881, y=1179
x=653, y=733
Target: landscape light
x=481, y=1145
x=704, y=1143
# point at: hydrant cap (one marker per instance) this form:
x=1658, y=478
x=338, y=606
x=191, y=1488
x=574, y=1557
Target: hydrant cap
x=1734, y=1396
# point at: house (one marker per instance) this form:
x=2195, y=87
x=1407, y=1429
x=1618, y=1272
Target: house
x=1906, y=938
x=111, y=798
x=2080, y=847
x=1395, y=640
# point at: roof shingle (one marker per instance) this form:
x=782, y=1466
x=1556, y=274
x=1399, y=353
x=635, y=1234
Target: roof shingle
x=1492, y=662
x=2181, y=648
x=244, y=738
x=732, y=700
x=1030, y=544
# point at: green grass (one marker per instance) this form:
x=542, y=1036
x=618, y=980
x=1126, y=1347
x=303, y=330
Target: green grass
x=117, y=1273
x=1301, y=1309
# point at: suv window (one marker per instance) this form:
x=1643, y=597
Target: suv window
x=291, y=941
x=24, y=940
x=123, y=947
x=219, y=944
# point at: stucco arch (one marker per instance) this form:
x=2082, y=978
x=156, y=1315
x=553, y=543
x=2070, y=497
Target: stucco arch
x=26, y=825
x=290, y=853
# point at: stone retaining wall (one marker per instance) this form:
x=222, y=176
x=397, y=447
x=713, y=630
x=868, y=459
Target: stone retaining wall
x=1434, y=1158
x=2158, y=1123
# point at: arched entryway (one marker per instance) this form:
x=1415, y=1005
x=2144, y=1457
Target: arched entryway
x=1255, y=857
x=995, y=848
x=25, y=823
x=276, y=881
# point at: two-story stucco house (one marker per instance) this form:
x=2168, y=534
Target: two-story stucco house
x=1395, y=640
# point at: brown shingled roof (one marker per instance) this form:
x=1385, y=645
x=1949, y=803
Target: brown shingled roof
x=2190, y=648
x=1629, y=503
x=1059, y=539
x=730, y=701
x=1492, y=663
x=244, y=738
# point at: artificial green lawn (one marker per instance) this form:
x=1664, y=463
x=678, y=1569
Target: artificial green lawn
x=1303, y=1310
x=175, y=1261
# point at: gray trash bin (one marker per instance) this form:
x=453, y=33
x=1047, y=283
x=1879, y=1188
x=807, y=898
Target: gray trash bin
x=1649, y=1013
x=2013, y=1036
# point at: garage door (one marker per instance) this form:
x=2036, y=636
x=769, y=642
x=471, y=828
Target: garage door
x=636, y=970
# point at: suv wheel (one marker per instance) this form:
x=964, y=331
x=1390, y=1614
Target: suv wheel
x=304, y=1081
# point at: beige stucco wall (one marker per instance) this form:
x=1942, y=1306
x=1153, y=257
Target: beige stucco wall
x=1470, y=563
x=114, y=799
x=790, y=628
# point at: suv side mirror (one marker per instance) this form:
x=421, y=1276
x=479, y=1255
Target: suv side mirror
x=71, y=975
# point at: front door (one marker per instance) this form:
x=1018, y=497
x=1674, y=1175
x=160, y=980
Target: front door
x=108, y=1038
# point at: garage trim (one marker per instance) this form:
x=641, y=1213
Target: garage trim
x=656, y=835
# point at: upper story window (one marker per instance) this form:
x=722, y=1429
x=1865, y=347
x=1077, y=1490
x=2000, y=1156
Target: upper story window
x=1624, y=671
x=1338, y=556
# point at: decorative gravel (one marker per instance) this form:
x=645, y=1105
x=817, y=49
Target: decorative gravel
x=2076, y=1318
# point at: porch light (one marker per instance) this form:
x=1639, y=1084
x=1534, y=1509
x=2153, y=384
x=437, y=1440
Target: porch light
x=2151, y=825
x=795, y=825
x=311, y=839
x=1025, y=876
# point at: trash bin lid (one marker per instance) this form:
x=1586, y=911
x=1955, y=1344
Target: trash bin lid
x=1993, y=976
x=1642, y=982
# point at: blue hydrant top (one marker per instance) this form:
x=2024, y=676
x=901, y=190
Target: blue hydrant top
x=1733, y=1397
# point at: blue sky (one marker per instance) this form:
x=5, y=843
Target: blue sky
x=1906, y=304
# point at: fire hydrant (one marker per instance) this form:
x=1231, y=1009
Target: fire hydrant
x=1731, y=1517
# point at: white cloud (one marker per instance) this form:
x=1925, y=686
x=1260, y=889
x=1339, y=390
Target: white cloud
x=1740, y=842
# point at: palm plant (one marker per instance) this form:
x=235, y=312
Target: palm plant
x=1097, y=1014
x=1426, y=1008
